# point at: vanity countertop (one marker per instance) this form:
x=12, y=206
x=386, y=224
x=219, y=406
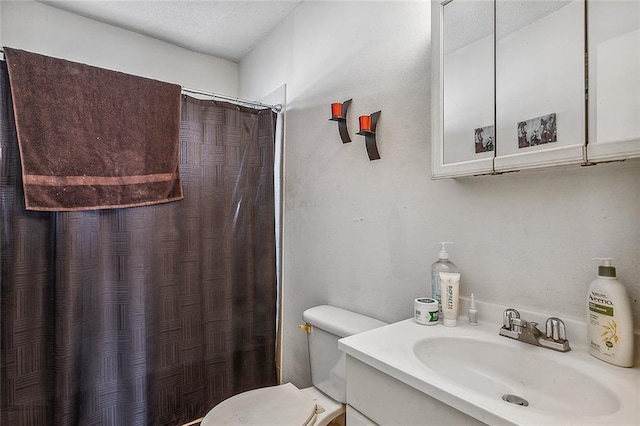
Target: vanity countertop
x=607, y=393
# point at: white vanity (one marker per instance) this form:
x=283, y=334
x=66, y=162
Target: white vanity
x=407, y=373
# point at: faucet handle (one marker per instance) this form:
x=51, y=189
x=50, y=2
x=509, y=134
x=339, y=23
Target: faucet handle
x=507, y=316
x=555, y=329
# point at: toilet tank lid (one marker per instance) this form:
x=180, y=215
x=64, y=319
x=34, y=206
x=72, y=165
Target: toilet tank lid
x=339, y=322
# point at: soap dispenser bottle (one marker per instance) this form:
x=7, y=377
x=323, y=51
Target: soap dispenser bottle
x=443, y=264
x=609, y=318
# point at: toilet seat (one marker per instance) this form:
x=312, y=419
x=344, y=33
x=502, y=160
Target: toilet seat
x=274, y=405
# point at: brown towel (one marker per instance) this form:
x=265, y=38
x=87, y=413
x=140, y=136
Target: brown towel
x=91, y=138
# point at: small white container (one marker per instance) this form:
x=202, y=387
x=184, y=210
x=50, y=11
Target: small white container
x=426, y=310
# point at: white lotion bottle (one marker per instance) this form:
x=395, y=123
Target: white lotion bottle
x=609, y=318
x=443, y=264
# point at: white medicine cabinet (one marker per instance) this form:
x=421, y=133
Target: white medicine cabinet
x=523, y=84
x=614, y=80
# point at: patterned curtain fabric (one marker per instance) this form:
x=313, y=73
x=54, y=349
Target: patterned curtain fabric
x=148, y=315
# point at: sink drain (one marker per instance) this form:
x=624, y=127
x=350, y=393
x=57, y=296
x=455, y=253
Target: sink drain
x=515, y=399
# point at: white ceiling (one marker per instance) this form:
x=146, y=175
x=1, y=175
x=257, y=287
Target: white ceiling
x=227, y=29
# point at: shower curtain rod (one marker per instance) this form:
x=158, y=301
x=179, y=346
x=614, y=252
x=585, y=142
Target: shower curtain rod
x=243, y=102
x=214, y=96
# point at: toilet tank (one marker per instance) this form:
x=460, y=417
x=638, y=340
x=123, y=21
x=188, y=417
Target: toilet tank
x=328, y=363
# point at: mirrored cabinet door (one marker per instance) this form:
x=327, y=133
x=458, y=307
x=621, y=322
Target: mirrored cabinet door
x=463, y=49
x=540, y=83
x=614, y=80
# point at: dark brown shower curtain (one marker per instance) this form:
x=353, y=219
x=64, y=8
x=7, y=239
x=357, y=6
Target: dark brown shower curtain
x=149, y=315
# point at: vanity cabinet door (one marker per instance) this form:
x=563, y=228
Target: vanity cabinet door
x=463, y=98
x=614, y=80
x=540, y=83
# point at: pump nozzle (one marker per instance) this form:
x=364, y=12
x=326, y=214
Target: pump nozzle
x=606, y=269
x=443, y=251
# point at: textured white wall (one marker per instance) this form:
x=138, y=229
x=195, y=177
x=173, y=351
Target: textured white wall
x=43, y=29
x=362, y=235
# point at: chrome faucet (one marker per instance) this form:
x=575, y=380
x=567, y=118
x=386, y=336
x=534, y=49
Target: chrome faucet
x=527, y=331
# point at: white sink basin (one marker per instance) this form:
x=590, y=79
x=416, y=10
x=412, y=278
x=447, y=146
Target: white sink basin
x=471, y=368
x=497, y=368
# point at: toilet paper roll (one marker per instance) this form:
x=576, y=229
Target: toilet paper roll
x=426, y=310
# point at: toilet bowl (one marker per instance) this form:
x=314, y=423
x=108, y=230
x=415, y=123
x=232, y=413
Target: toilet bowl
x=286, y=404
x=276, y=405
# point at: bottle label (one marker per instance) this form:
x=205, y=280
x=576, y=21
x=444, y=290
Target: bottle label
x=601, y=309
x=449, y=297
x=603, y=333
x=424, y=317
x=600, y=304
x=435, y=286
x=606, y=342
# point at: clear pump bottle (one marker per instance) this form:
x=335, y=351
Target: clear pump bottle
x=443, y=264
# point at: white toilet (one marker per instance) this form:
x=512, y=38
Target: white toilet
x=288, y=405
